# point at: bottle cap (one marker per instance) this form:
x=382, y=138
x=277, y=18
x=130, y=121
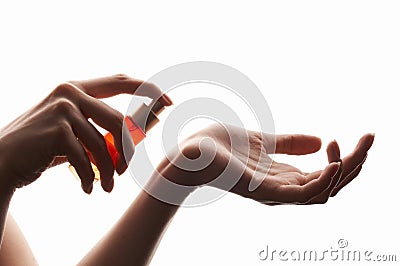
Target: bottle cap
x=146, y=115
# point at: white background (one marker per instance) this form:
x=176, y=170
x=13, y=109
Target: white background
x=329, y=69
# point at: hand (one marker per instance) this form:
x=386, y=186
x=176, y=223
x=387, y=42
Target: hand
x=57, y=130
x=244, y=156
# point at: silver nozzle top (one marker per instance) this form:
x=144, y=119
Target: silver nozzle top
x=156, y=107
x=146, y=115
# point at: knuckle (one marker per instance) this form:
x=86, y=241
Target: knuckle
x=64, y=90
x=121, y=77
x=63, y=106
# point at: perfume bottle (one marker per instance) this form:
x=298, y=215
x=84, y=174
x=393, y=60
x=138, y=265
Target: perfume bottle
x=138, y=124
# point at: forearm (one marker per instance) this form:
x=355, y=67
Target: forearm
x=15, y=249
x=135, y=237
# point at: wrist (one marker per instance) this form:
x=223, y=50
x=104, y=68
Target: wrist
x=6, y=193
x=6, y=188
x=164, y=186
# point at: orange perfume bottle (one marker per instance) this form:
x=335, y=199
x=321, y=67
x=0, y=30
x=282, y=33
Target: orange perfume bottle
x=138, y=124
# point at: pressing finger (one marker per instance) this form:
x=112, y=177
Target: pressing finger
x=121, y=84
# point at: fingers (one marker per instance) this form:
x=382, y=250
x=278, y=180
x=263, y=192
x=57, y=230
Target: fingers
x=324, y=195
x=94, y=142
x=75, y=107
x=74, y=103
x=103, y=115
x=333, y=152
x=351, y=166
x=346, y=180
x=352, y=163
x=76, y=155
x=320, y=185
x=303, y=194
x=109, y=119
x=297, y=144
x=120, y=84
x=121, y=160
x=358, y=155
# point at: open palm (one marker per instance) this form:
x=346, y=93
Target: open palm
x=241, y=163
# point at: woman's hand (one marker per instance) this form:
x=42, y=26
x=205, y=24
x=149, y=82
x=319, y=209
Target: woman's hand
x=57, y=130
x=240, y=163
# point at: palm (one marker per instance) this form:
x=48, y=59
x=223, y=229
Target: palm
x=243, y=165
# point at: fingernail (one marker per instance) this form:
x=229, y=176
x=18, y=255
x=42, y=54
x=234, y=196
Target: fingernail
x=373, y=138
x=367, y=141
x=165, y=100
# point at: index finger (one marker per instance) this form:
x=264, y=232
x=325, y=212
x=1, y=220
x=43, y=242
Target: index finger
x=105, y=87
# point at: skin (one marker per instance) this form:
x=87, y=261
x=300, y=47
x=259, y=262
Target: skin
x=222, y=156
